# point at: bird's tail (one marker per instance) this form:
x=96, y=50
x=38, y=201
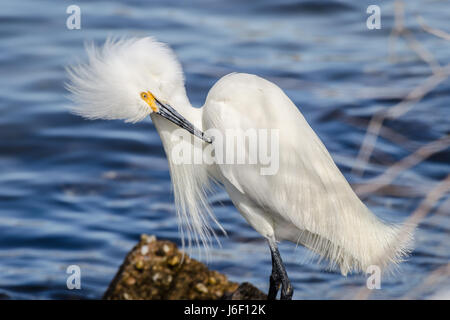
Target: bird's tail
x=385, y=246
x=372, y=243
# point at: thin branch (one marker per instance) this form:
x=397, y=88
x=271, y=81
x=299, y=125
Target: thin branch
x=385, y=132
x=441, y=189
x=404, y=106
x=406, y=163
x=435, y=277
x=436, y=32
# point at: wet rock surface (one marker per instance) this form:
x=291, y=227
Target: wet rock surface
x=156, y=269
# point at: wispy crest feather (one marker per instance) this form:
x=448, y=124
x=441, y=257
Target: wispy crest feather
x=108, y=85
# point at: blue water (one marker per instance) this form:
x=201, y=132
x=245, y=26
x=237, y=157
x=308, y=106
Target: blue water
x=81, y=192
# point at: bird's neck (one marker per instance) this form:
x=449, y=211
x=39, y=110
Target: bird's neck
x=189, y=180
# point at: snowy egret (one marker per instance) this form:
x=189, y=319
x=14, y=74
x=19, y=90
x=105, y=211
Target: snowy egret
x=307, y=200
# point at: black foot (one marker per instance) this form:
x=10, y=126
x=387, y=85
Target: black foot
x=287, y=291
x=279, y=276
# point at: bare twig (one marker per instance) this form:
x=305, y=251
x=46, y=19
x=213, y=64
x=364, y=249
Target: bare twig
x=399, y=30
x=441, y=189
x=399, y=18
x=406, y=163
x=436, y=32
x=376, y=123
x=435, y=277
x=386, y=133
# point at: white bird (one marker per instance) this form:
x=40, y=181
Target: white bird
x=307, y=201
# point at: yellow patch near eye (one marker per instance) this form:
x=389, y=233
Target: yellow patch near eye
x=150, y=99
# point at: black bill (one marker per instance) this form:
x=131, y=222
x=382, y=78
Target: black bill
x=172, y=115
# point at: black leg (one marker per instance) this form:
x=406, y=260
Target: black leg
x=279, y=275
x=274, y=281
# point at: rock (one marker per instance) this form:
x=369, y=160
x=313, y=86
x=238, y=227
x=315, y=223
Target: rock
x=246, y=291
x=156, y=269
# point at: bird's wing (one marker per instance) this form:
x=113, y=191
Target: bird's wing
x=301, y=187
x=298, y=168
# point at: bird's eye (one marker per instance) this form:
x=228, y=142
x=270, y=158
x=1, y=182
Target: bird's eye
x=144, y=95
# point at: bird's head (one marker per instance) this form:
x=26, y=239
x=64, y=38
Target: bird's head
x=129, y=79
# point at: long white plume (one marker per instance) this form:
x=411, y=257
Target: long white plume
x=191, y=184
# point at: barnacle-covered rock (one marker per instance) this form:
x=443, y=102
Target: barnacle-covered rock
x=156, y=269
